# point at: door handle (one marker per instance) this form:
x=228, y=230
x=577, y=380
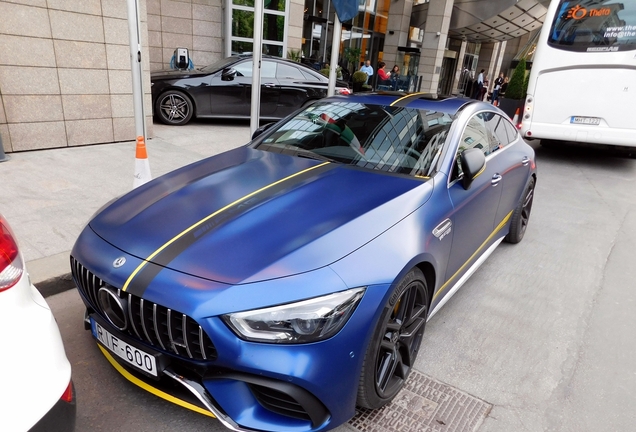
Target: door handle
x=525, y=161
x=495, y=180
x=269, y=85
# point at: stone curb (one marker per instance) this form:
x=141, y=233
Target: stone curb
x=55, y=285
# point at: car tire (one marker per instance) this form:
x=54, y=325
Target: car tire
x=395, y=342
x=174, y=108
x=521, y=215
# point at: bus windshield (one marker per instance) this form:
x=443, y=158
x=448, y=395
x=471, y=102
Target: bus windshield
x=594, y=26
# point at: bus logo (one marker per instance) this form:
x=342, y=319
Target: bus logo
x=579, y=12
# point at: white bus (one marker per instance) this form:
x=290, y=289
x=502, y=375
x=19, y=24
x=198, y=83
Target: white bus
x=582, y=84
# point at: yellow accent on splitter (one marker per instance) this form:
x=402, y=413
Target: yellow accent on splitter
x=133, y=379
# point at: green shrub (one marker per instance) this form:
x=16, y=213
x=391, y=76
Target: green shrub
x=359, y=77
x=325, y=72
x=516, y=88
x=294, y=55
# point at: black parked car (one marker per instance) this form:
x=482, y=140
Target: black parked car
x=224, y=89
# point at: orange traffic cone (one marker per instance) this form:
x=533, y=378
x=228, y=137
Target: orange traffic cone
x=142, y=166
x=515, y=119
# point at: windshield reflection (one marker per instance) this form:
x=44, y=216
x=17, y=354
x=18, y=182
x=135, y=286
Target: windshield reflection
x=390, y=139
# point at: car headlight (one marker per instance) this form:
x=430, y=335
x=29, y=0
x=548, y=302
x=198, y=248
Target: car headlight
x=301, y=322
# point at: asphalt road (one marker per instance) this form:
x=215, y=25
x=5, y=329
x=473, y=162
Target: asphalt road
x=544, y=331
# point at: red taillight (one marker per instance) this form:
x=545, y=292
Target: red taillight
x=10, y=262
x=67, y=396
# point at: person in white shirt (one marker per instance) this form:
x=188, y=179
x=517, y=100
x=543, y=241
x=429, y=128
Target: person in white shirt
x=367, y=69
x=479, y=84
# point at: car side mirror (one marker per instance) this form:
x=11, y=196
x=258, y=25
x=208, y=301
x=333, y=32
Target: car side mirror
x=473, y=162
x=262, y=129
x=228, y=74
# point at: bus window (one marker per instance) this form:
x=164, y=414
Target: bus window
x=594, y=26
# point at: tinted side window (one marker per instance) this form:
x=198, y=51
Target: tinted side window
x=288, y=72
x=244, y=68
x=496, y=125
x=268, y=69
x=512, y=131
x=475, y=135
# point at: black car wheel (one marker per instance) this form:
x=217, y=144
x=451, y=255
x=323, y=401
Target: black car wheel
x=395, y=343
x=174, y=108
x=521, y=215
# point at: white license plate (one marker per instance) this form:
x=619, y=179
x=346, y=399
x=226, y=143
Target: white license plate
x=585, y=120
x=134, y=356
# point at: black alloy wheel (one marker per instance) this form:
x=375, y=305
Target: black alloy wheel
x=521, y=215
x=174, y=108
x=395, y=343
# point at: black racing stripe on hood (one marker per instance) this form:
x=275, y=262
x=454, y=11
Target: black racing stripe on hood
x=152, y=266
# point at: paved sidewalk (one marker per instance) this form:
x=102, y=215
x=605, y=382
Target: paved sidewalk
x=49, y=195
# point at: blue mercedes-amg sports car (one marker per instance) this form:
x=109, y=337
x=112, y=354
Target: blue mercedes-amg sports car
x=279, y=285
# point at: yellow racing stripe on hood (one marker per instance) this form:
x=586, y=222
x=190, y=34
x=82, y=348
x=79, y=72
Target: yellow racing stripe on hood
x=207, y=218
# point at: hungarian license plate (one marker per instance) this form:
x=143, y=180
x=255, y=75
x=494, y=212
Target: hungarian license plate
x=585, y=120
x=130, y=354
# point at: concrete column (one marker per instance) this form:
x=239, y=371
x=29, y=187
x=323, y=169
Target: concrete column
x=434, y=43
x=458, y=69
x=398, y=23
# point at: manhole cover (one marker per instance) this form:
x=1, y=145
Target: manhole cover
x=425, y=405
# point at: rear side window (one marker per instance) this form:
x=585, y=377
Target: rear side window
x=288, y=72
x=594, y=26
x=309, y=76
x=500, y=136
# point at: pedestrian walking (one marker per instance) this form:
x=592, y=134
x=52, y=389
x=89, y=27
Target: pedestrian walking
x=495, y=92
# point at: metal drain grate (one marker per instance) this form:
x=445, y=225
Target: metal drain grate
x=424, y=405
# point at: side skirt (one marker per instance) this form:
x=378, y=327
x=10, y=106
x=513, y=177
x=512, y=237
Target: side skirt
x=465, y=277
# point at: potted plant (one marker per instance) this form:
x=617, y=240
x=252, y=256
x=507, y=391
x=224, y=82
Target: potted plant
x=358, y=78
x=294, y=55
x=352, y=57
x=516, y=92
x=325, y=72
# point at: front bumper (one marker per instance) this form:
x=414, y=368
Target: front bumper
x=240, y=401
x=236, y=380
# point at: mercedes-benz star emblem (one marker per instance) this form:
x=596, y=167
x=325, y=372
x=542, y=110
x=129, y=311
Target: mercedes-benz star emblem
x=119, y=262
x=114, y=307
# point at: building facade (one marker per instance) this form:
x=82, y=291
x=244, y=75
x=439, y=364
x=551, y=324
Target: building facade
x=65, y=75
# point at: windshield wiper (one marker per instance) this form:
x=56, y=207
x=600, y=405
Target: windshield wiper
x=302, y=152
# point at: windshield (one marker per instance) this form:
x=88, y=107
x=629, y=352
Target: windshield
x=219, y=64
x=594, y=26
x=385, y=138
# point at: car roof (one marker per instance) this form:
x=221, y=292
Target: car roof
x=424, y=101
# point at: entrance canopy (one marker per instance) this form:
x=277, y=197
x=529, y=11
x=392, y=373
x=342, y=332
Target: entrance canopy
x=488, y=20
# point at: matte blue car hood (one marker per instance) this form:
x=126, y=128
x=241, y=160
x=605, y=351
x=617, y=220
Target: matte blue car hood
x=249, y=215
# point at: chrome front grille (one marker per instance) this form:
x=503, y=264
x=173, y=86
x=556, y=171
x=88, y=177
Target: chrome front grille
x=157, y=325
